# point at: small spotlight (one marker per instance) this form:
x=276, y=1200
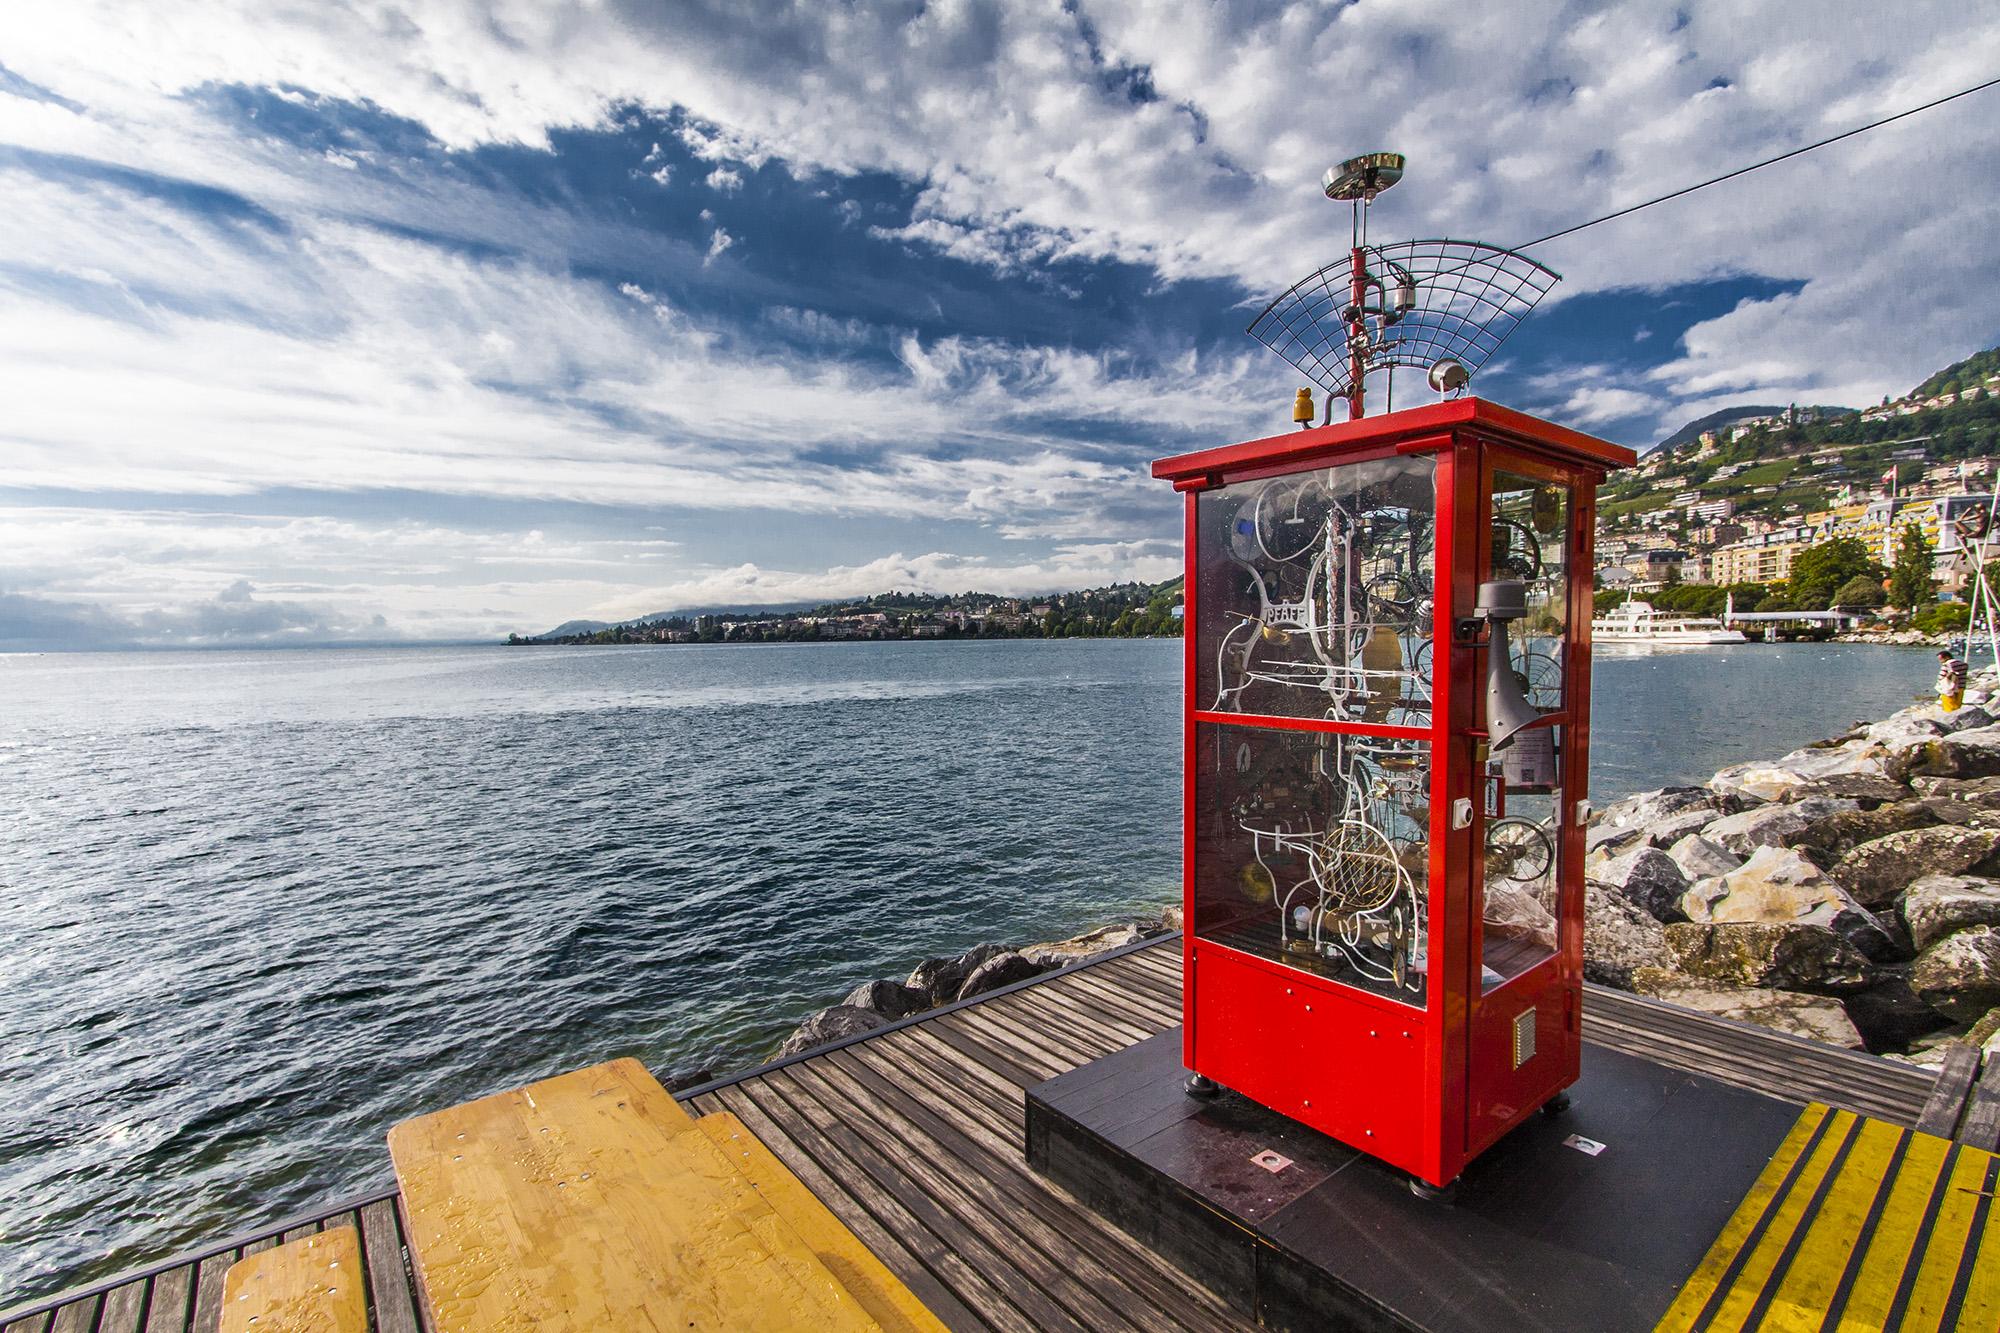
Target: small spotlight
x=1449, y=375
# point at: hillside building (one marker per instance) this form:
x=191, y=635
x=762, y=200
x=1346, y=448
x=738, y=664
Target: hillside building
x=1764, y=558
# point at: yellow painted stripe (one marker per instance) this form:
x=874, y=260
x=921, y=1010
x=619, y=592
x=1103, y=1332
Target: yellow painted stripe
x=1808, y=1283
x=1882, y=1268
x=1687, y=1307
x=1982, y=1291
x=1947, y=1245
x=1757, y=1272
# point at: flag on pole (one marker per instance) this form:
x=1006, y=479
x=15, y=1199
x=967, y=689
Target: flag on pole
x=1889, y=479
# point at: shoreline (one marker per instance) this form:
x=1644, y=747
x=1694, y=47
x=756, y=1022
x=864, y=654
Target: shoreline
x=938, y=981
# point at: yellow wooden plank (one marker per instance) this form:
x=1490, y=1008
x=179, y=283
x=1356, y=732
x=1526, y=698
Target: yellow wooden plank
x=591, y=1202
x=1760, y=1268
x=1701, y=1284
x=880, y=1292
x=1806, y=1287
x=1874, y=1291
x=1945, y=1249
x=311, y=1285
x=1982, y=1289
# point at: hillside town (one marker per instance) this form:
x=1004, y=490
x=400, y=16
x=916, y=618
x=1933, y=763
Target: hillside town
x=1126, y=610
x=1733, y=507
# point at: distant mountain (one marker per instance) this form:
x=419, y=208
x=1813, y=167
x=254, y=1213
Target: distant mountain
x=577, y=627
x=570, y=627
x=1713, y=421
x=1961, y=374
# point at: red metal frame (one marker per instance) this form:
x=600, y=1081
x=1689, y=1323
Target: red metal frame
x=1425, y=1089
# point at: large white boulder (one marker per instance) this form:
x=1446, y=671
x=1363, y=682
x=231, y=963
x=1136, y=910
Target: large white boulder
x=1773, y=825
x=1937, y=905
x=1959, y=976
x=1779, y=886
x=1877, y=870
x=1699, y=858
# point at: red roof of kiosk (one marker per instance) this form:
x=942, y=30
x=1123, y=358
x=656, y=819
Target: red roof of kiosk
x=1489, y=418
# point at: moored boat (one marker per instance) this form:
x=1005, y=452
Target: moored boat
x=1639, y=622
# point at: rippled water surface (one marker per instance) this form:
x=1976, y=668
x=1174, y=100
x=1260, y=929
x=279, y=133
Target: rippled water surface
x=259, y=906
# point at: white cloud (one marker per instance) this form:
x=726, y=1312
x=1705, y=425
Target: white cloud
x=718, y=241
x=159, y=575
x=724, y=180
x=1518, y=119
x=1092, y=564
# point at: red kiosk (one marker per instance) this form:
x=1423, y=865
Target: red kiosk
x=1387, y=728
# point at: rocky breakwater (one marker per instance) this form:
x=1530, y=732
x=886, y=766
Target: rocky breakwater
x=983, y=968
x=1848, y=892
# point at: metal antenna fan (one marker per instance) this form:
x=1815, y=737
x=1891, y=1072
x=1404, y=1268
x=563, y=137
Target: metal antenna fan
x=1422, y=302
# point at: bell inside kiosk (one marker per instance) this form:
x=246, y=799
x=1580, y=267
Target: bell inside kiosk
x=1387, y=700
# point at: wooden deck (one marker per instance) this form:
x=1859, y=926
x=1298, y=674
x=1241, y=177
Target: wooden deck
x=912, y=1135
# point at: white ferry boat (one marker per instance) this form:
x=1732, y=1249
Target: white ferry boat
x=1638, y=622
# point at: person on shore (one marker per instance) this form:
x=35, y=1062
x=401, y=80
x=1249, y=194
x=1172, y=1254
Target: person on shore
x=1950, y=682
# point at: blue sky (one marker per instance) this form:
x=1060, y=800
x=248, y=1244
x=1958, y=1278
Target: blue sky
x=417, y=319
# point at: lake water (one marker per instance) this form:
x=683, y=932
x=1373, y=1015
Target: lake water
x=256, y=907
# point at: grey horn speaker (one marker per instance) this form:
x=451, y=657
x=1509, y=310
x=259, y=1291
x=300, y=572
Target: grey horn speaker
x=1507, y=708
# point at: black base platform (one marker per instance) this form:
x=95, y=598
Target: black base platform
x=1540, y=1235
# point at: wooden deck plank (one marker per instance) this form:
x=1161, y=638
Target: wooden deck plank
x=1054, y=1012
x=1117, y=1012
x=998, y=1109
x=1683, y=1050
x=1947, y=1100
x=1047, y=1018
x=389, y=1286
x=939, y=1277
x=986, y=1135
x=167, y=1305
x=1126, y=999
x=1855, y=1082
x=1043, y=1053
x=209, y=1274
x=913, y=1219
x=1024, y=1053
x=1981, y=1126
x=983, y=1052
x=124, y=1307
x=77, y=1316
x=33, y=1323
x=883, y=1163
x=972, y=1198
x=1134, y=974
x=1674, y=1040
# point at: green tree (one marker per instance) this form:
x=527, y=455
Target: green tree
x=1860, y=592
x=1819, y=571
x=1910, y=580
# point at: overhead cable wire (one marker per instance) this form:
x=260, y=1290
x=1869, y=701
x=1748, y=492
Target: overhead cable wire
x=1757, y=166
